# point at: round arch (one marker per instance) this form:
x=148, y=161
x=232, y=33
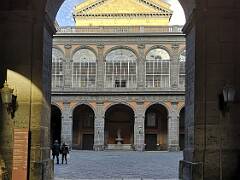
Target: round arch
x=159, y=47
x=156, y=127
x=59, y=49
x=74, y=51
x=121, y=47
x=182, y=129
x=80, y=104
x=119, y=103
x=83, y=127
x=157, y=103
x=55, y=123
x=119, y=127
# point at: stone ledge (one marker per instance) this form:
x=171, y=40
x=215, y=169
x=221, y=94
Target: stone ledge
x=190, y=170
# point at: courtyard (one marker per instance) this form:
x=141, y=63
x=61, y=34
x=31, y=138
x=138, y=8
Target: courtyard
x=119, y=165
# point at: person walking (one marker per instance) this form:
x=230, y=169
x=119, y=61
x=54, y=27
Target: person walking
x=56, y=150
x=64, y=151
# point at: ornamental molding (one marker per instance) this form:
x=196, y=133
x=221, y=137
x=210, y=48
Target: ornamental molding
x=149, y=3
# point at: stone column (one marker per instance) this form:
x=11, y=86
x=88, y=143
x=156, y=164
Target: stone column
x=141, y=67
x=99, y=127
x=66, y=133
x=100, y=67
x=173, y=129
x=139, y=128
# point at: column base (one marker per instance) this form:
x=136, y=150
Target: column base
x=139, y=147
x=190, y=171
x=98, y=147
x=173, y=148
x=42, y=170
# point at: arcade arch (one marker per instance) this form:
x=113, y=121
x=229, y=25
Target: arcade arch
x=119, y=127
x=156, y=128
x=182, y=129
x=83, y=127
x=56, y=124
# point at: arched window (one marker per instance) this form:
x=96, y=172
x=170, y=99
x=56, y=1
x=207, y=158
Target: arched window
x=158, y=69
x=84, y=69
x=121, y=69
x=182, y=73
x=57, y=68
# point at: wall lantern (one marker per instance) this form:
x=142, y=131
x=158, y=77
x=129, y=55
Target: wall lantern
x=9, y=100
x=227, y=97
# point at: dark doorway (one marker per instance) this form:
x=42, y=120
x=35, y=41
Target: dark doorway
x=88, y=141
x=182, y=129
x=83, y=128
x=156, y=128
x=119, y=121
x=151, y=142
x=56, y=124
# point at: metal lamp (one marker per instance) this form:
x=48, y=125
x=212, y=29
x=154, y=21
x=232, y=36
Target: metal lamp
x=229, y=94
x=9, y=99
x=227, y=97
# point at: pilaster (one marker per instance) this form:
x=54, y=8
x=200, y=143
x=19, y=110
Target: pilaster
x=139, y=126
x=174, y=66
x=141, y=67
x=99, y=127
x=173, y=129
x=67, y=65
x=100, y=66
x=67, y=121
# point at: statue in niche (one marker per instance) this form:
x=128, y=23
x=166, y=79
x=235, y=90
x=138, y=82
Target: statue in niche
x=119, y=139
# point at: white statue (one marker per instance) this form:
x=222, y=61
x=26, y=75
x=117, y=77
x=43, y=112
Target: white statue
x=119, y=140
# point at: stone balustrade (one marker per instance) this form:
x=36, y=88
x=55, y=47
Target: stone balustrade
x=120, y=29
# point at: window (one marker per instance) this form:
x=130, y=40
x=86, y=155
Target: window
x=157, y=69
x=121, y=69
x=84, y=69
x=182, y=73
x=57, y=68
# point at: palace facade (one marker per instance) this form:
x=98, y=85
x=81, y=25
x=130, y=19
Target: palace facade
x=118, y=78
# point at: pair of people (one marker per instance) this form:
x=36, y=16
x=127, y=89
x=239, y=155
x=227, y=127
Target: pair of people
x=57, y=149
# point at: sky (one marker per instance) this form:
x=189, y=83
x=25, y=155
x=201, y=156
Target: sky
x=65, y=18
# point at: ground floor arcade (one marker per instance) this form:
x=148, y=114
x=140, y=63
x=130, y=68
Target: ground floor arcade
x=119, y=122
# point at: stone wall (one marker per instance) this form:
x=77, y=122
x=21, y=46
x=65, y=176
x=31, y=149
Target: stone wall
x=101, y=103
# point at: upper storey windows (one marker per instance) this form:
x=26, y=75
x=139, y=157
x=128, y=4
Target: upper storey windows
x=57, y=68
x=158, y=68
x=121, y=69
x=84, y=69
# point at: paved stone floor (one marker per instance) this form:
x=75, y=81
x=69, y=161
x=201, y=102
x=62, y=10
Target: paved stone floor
x=119, y=165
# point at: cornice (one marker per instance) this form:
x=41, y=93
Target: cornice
x=123, y=15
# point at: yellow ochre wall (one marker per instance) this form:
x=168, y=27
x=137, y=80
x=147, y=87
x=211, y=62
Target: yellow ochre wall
x=82, y=21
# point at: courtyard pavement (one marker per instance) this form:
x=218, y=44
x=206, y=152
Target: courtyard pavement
x=119, y=165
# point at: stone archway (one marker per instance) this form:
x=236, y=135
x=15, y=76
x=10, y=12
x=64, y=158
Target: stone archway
x=212, y=52
x=182, y=129
x=156, y=128
x=119, y=127
x=83, y=128
x=56, y=124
